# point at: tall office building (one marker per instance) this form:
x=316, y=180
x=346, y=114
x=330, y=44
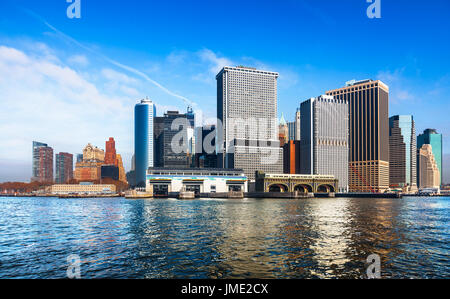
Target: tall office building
x=144, y=114
x=433, y=138
x=402, y=152
x=110, y=153
x=46, y=165
x=206, y=156
x=429, y=175
x=294, y=127
x=297, y=126
x=291, y=130
x=369, y=134
x=283, y=131
x=35, y=159
x=175, y=140
x=248, y=131
x=64, y=168
x=158, y=130
x=112, y=159
x=325, y=134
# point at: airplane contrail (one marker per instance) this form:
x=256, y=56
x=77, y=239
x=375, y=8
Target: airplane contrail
x=112, y=61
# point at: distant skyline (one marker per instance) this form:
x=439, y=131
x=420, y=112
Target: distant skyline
x=70, y=82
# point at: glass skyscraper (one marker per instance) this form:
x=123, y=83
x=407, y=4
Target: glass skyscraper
x=402, y=152
x=182, y=156
x=35, y=170
x=369, y=134
x=144, y=115
x=431, y=137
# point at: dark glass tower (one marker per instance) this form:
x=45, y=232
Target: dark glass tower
x=35, y=171
x=369, y=134
x=402, y=152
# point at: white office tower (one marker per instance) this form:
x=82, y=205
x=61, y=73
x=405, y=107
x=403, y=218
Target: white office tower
x=324, y=138
x=248, y=124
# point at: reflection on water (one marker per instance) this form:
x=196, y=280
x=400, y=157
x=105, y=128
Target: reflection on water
x=314, y=238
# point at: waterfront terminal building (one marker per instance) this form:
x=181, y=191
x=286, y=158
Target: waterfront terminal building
x=162, y=181
x=82, y=189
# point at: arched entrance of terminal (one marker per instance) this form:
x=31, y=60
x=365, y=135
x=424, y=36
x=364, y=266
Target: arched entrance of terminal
x=278, y=188
x=303, y=188
x=325, y=189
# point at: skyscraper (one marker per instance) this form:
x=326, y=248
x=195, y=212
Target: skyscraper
x=369, y=134
x=206, y=156
x=431, y=137
x=64, y=168
x=35, y=158
x=291, y=130
x=294, y=127
x=45, y=169
x=158, y=130
x=291, y=157
x=402, y=152
x=112, y=159
x=110, y=153
x=283, y=131
x=144, y=114
x=297, y=125
x=248, y=126
x=324, y=142
x=429, y=175
x=175, y=141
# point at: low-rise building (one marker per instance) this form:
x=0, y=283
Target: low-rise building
x=166, y=180
x=89, y=189
x=271, y=182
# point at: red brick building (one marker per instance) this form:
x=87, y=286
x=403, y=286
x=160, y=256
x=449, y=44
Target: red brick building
x=110, y=154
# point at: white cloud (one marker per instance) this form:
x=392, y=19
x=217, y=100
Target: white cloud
x=399, y=88
x=215, y=63
x=78, y=60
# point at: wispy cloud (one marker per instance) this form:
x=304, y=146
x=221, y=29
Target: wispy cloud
x=399, y=86
x=110, y=60
x=78, y=60
x=215, y=62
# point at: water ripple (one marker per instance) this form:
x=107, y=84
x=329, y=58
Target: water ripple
x=316, y=238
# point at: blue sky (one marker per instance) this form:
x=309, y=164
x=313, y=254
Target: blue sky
x=74, y=81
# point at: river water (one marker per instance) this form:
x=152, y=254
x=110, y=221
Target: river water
x=251, y=238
